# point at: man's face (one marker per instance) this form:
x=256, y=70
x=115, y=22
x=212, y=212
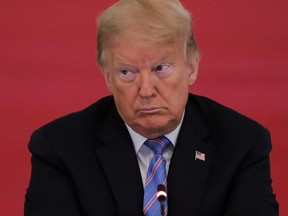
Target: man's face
x=150, y=84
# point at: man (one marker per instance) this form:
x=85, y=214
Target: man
x=100, y=161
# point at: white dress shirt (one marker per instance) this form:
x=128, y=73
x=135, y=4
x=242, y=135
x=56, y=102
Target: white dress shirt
x=145, y=154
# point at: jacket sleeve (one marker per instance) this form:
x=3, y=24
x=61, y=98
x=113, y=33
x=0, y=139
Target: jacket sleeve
x=50, y=190
x=251, y=191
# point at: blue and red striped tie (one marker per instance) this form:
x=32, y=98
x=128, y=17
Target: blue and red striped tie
x=156, y=175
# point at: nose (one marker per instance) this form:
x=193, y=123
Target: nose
x=146, y=84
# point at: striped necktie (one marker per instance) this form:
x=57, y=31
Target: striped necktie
x=156, y=175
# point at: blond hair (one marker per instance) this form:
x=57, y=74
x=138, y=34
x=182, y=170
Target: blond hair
x=156, y=21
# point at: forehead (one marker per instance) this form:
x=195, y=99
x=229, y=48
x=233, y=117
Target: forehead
x=129, y=51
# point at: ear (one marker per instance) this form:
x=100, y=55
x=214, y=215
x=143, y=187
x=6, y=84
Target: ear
x=193, y=69
x=107, y=78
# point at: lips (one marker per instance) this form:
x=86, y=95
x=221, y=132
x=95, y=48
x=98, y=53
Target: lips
x=152, y=110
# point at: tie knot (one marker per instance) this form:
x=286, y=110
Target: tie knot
x=158, y=145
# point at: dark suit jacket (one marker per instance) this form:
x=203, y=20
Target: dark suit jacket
x=85, y=164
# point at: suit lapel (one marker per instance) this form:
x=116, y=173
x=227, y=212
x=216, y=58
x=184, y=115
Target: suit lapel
x=120, y=164
x=187, y=177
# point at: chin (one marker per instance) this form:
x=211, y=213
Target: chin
x=162, y=127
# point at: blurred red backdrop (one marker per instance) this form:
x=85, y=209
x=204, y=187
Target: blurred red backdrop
x=48, y=69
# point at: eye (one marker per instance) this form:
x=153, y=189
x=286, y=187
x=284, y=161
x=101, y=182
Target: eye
x=163, y=70
x=127, y=74
x=124, y=71
x=161, y=67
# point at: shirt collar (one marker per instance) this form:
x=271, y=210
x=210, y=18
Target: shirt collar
x=138, y=139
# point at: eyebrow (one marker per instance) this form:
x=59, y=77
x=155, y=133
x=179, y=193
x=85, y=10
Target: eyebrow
x=123, y=61
x=122, y=64
x=161, y=59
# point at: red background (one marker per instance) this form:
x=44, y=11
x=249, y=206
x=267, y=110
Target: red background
x=48, y=69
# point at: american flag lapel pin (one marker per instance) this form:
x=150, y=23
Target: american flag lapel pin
x=199, y=156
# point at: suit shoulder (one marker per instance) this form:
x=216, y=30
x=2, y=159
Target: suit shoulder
x=87, y=120
x=95, y=111
x=71, y=131
x=215, y=114
x=229, y=129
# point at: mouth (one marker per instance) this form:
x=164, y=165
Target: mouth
x=152, y=110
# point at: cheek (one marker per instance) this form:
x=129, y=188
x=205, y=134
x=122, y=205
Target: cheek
x=180, y=82
x=124, y=105
x=178, y=90
x=175, y=93
x=116, y=87
x=124, y=94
